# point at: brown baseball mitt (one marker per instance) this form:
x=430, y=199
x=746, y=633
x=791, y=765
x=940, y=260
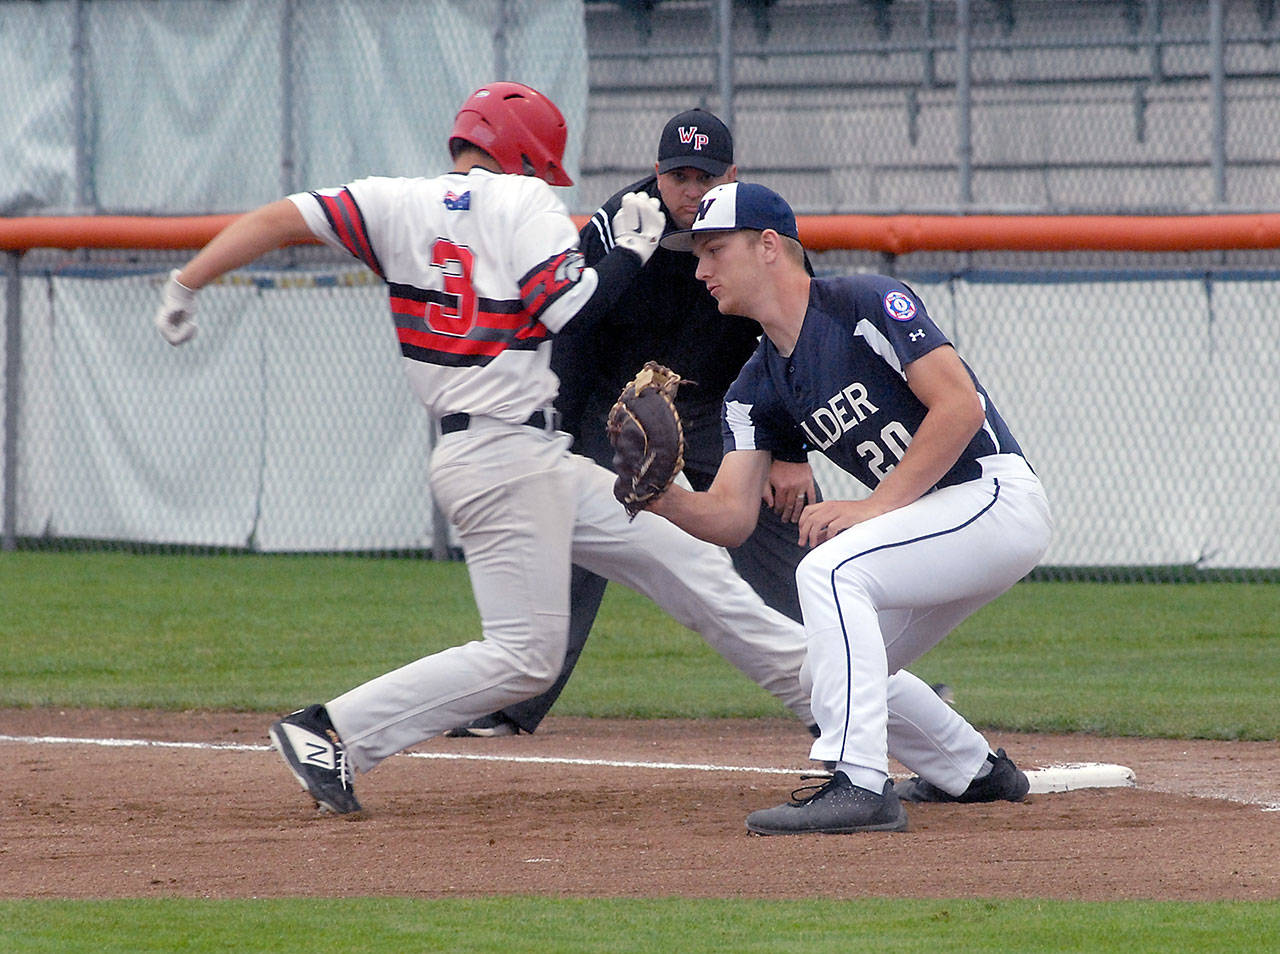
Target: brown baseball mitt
x=647, y=438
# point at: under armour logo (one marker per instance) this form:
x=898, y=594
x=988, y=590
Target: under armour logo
x=690, y=134
x=916, y=335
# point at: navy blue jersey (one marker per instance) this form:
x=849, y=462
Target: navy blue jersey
x=843, y=390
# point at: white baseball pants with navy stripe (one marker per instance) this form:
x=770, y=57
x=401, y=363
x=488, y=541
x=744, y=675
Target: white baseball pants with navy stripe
x=880, y=594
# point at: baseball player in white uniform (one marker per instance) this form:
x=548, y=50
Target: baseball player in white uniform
x=482, y=266
x=855, y=368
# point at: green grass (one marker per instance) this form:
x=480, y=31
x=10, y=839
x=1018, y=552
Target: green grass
x=267, y=633
x=242, y=632
x=264, y=633
x=551, y=926
x=1196, y=660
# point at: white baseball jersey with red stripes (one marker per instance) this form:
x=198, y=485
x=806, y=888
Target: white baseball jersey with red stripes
x=480, y=268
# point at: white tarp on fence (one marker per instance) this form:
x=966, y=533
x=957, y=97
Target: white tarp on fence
x=204, y=106
x=1147, y=407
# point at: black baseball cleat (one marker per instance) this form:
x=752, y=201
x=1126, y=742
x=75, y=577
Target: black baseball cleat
x=309, y=745
x=485, y=727
x=1005, y=782
x=836, y=807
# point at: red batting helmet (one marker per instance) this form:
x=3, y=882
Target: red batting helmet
x=519, y=127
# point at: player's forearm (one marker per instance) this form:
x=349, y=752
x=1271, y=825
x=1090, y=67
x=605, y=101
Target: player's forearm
x=245, y=240
x=706, y=515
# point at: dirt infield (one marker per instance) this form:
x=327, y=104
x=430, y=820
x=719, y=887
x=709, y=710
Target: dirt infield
x=95, y=821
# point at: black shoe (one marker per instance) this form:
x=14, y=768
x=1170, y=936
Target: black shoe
x=836, y=807
x=310, y=746
x=1005, y=782
x=485, y=727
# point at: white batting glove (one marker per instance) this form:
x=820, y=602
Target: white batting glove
x=177, y=305
x=638, y=224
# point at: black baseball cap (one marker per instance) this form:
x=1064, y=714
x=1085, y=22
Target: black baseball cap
x=732, y=206
x=695, y=138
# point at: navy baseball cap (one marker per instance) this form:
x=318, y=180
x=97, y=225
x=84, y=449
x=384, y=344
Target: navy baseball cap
x=695, y=138
x=733, y=206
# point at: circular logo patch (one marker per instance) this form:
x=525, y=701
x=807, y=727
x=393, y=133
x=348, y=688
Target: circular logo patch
x=899, y=307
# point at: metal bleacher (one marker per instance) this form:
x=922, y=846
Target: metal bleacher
x=1067, y=106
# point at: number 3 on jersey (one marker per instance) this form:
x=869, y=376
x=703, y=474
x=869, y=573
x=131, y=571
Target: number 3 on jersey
x=456, y=316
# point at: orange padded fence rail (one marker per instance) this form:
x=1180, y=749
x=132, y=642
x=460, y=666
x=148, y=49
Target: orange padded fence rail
x=895, y=234
x=110, y=231
x=900, y=234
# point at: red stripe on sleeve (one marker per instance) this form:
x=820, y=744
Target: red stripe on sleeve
x=348, y=224
x=361, y=236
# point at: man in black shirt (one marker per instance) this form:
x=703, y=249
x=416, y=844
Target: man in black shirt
x=665, y=314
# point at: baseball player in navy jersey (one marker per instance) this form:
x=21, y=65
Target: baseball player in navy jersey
x=482, y=265
x=855, y=368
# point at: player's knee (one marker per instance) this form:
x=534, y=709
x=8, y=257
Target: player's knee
x=530, y=676
x=536, y=683
x=531, y=659
x=813, y=574
x=820, y=574
x=540, y=665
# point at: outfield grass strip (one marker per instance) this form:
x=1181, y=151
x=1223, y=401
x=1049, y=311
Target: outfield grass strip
x=532, y=925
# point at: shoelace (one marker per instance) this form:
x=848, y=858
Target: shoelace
x=815, y=790
x=345, y=775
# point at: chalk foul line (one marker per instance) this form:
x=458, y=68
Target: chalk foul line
x=1055, y=778
x=1065, y=777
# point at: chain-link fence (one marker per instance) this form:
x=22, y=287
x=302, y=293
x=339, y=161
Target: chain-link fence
x=286, y=425
x=1145, y=401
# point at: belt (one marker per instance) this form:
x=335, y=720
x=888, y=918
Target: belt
x=546, y=420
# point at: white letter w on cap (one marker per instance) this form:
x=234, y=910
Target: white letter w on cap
x=690, y=134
